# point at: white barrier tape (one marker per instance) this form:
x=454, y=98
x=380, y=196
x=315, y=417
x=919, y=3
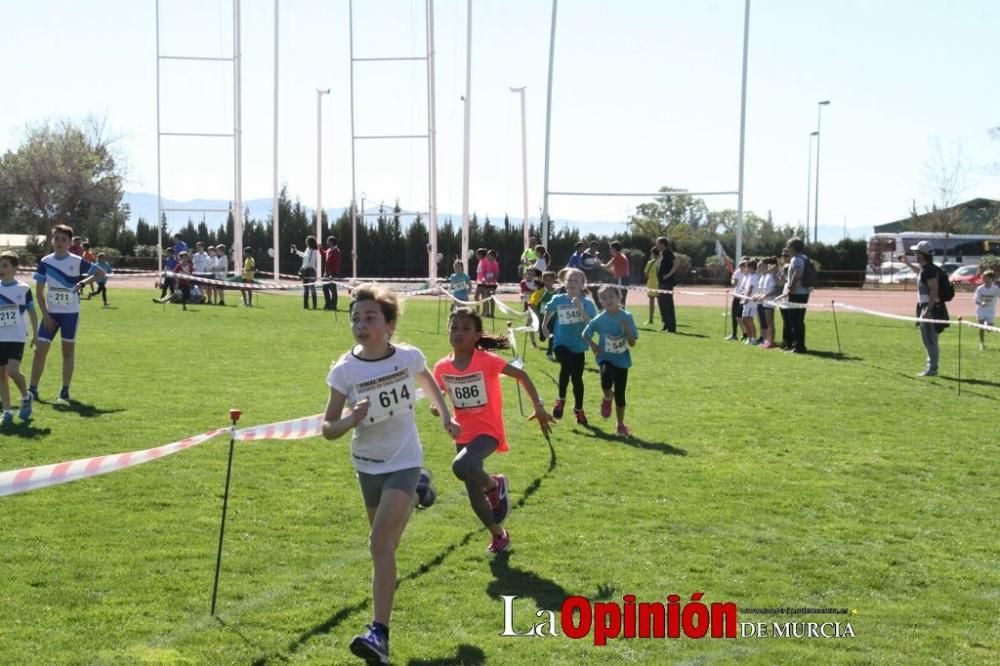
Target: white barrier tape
x=889, y=315
x=32, y=478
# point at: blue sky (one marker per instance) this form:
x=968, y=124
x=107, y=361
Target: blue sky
x=646, y=94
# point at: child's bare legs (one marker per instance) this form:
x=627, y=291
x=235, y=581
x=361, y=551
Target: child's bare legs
x=4, y=390
x=13, y=371
x=982, y=334
x=387, y=520
x=769, y=318
x=652, y=305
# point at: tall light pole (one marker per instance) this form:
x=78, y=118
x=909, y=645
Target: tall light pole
x=809, y=181
x=524, y=164
x=275, y=223
x=319, y=173
x=467, y=102
x=819, y=118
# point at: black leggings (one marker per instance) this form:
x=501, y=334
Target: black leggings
x=571, y=368
x=468, y=467
x=614, y=377
x=737, y=312
x=102, y=289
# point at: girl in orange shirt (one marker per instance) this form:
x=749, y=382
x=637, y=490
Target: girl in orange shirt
x=470, y=375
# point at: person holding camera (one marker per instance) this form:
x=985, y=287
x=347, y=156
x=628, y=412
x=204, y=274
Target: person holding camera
x=308, y=270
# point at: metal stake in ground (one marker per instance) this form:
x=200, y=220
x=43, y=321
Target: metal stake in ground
x=234, y=414
x=960, y=327
x=727, y=313
x=439, y=310
x=833, y=308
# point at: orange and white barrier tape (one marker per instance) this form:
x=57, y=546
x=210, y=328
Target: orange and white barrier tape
x=32, y=478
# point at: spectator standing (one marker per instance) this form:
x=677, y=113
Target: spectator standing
x=308, y=270
x=653, y=282
x=591, y=261
x=929, y=303
x=179, y=245
x=620, y=270
x=331, y=269
x=665, y=274
x=221, y=270
x=796, y=293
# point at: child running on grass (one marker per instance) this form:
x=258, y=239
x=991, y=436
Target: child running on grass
x=15, y=300
x=618, y=334
x=378, y=380
x=571, y=311
x=102, y=283
x=471, y=377
x=986, y=305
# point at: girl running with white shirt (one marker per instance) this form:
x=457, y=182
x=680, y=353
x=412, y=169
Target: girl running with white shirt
x=378, y=380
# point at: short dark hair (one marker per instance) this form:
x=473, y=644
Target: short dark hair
x=795, y=244
x=63, y=229
x=664, y=240
x=615, y=245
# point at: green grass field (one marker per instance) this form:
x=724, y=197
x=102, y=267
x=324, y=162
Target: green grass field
x=761, y=478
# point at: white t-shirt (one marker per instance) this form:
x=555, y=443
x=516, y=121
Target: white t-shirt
x=221, y=266
x=988, y=298
x=201, y=262
x=15, y=301
x=387, y=440
x=738, y=276
x=769, y=285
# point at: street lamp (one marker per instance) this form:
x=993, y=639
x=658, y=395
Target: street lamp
x=809, y=182
x=319, y=172
x=524, y=164
x=819, y=118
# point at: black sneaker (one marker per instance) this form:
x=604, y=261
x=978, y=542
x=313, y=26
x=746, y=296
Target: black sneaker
x=372, y=646
x=426, y=495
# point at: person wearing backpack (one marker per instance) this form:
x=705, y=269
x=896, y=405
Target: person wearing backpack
x=800, y=282
x=933, y=289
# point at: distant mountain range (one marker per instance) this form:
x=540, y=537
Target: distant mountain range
x=143, y=204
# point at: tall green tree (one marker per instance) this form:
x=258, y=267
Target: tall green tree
x=64, y=173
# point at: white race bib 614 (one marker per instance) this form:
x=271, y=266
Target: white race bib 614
x=615, y=344
x=8, y=316
x=466, y=390
x=387, y=395
x=569, y=314
x=58, y=297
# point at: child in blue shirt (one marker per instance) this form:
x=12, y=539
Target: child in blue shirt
x=571, y=311
x=618, y=334
x=459, y=283
x=102, y=283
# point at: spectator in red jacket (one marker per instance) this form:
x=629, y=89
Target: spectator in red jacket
x=331, y=269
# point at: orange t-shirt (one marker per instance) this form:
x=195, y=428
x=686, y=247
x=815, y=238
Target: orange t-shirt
x=476, y=395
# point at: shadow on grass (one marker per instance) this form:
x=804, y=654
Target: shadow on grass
x=467, y=655
x=24, y=430
x=319, y=630
x=973, y=382
x=508, y=580
x=944, y=378
x=339, y=616
x=82, y=409
x=635, y=442
x=832, y=355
